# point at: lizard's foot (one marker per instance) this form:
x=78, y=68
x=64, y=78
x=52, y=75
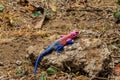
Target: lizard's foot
x=60, y=48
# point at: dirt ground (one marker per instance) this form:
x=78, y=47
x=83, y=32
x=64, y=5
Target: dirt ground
x=18, y=32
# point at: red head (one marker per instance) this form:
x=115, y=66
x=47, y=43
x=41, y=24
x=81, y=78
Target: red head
x=73, y=34
x=69, y=36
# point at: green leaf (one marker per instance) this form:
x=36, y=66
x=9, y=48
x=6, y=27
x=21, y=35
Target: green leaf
x=117, y=14
x=51, y=70
x=118, y=1
x=118, y=50
x=18, y=70
x=37, y=13
x=1, y=7
x=42, y=76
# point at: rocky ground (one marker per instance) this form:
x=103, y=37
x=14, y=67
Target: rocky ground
x=24, y=34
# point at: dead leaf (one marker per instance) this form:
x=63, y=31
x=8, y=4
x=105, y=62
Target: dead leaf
x=53, y=6
x=30, y=7
x=117, y=69
x=40, y=23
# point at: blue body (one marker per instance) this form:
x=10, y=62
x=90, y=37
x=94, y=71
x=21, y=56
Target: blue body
x=55, y=46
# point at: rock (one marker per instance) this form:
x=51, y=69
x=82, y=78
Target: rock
x=73, y=47
x=32, y=58
x=1, y=64
x=90, y=43
x=88, y=33
x=3, y=77
x=18, y=62
x=31, y=49
x=27, y=56
x=87, y=56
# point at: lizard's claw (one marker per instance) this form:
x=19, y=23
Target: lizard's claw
x=60, y=48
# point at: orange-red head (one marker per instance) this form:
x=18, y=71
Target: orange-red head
x=73, y=34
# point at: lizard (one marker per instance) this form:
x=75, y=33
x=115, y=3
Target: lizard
x=58, y=45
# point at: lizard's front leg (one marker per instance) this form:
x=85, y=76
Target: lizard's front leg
x=61, y=47
x=69, y=42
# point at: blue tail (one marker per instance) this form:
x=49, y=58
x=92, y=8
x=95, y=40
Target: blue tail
x=48, y=51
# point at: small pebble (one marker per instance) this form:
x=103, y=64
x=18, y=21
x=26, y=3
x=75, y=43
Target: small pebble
x=27, y=56
x=1, y=64
x=31, y=49
x=3, y=77
x=80, y=48
x=70, y=47
x=18, y=62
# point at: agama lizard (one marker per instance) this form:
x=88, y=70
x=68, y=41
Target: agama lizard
x=58, y=45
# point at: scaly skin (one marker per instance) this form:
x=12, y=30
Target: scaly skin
x=58, y=45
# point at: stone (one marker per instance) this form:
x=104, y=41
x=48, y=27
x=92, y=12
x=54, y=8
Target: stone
x=18, y=62
x=87, y=56
x=31, y=49
x=1, y=64
x=3, y=77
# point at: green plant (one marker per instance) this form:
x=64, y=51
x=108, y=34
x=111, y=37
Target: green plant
x=42, y=76
x=37, y=13
x=1, y=7
x=18, y=70
x=51, y=70
x=118, y=1
x=117, y=16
